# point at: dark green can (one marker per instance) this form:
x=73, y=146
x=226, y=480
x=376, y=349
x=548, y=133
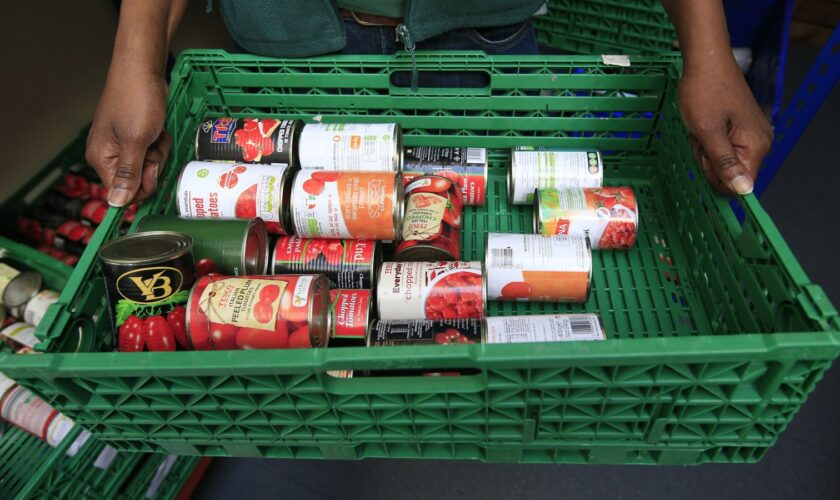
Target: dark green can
x=231, y=247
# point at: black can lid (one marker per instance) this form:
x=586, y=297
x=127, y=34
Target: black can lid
x=146, y=248
x=22, y=288
x=424, y=252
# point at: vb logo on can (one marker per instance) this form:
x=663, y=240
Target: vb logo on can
x=150, y=284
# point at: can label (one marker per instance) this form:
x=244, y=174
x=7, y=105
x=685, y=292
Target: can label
x=7, y=274
x=533, y=169
x=433, y=217
x=5, y=384
x=608, y=215
x=21, y=333
x=243, y=302
x=425, y=332
x=59, y=428
x=345, y=263
x=68, y=259
x=37, y=306
x=430, y=290
x=349, y=146
x=531, y=267
x=24, y=409
x=357, y=205
x=466, y=167
x=252, y=140
x=543, y=328
x=350, y=310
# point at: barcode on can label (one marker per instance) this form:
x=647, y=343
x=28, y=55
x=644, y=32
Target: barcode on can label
x=501, y=257
x=544, y=328
x=476, y=155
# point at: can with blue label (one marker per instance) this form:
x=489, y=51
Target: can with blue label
x=248, y=140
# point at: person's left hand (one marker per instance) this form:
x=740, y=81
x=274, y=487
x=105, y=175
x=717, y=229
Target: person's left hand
x=730, y=134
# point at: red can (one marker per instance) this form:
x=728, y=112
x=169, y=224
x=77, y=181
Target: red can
x=430, y=290
x=345, y=263
x=258, y=312
x=70, y=260
x=466, y=166
x=351, y=311
x=42, y=226
x=432, y=222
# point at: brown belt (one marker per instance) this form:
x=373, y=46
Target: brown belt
x=371, y=19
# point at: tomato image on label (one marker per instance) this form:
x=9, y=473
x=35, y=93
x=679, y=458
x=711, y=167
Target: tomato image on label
x=253, y=140
x=430, y=290
x=609, y=216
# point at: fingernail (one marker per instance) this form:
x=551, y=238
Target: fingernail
x=118, y=197
x=741, y=185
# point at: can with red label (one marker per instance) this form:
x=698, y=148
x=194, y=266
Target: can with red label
x=543, y=328
x=539, y=168
x=43, y=226
x=351, y=205
x=425, y=332
x=432, y=221
x=22, y=408
x=467, y=167
x=351, y=146
x=351, y=316
x=91, y=210
x=345, y=263
x=531, y=267
x=609, y=216
x=258, y=312
x=430, y=290
x=66, y=258
x=251, y=140
x=81, y=181
x=235, y=191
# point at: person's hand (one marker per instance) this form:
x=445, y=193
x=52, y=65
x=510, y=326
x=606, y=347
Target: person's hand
x=730, y=135
x=127, y=144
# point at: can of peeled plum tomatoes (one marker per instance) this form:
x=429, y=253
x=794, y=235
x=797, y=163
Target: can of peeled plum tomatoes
x=425, y=332
x=430, y=290
x=250, y=140
x=467, y=167
x=351, y=146
x=432, y=221
x=609, y=216
x=345, y=263
x=236, y=247
x=351, y=316
x=537, y=268
x=538, y=168
x=352, y=205
x=543, y=328
x=258, y=312
x=208, y=190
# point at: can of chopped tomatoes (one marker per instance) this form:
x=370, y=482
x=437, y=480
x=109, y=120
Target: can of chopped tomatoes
x=43, y=226
x=91, y=211
x=351, y=146
x=258, y=312
x=235, y=191
x=351, y=317
x=20, y=334
x=425, y=332
x=347, y=205
x=345, y=263
x=609, y=216
x=430, y=290
x=467, y=167
x=250, y=140
x=432, y=221
x=237, y=247
x=532, y=267
x=543, y=328
x=19, y=288
x=539, y=168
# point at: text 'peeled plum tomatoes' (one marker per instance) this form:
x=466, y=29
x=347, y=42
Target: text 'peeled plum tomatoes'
x=430, y=290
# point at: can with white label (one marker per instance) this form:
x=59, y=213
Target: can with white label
x=538, y=168
x=351, y=146
x=34, y=310
x=430, y=290
x=21, y=334
x=22, y=408
x=543, y=328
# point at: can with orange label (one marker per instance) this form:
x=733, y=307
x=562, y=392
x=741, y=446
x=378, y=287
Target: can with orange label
x=353, y=205
x=531, y=267
x=609, y=216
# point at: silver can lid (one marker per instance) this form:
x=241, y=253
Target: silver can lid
x=146, y=248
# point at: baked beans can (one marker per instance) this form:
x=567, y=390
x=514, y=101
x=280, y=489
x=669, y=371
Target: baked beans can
x=539, y=168
x=21, y=334
x=430, y=290
x=236, y=247
x=543, y=328
x=425, y=332
x=250, y=140
x=608, y=216
x=345, y=263
x=22, y=408
x=347, y=205
x=351, y=146
x=258, y=312
x=532, y=267
x=467, y=167
x=208, y=190
x=90, y=211
x=432, y=222
x=351, y=317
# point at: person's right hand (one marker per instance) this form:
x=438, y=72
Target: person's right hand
x=127, y=144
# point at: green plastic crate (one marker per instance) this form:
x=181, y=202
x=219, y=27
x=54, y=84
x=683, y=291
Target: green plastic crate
x=168, y=488
x=716, y=335
x=606, y=27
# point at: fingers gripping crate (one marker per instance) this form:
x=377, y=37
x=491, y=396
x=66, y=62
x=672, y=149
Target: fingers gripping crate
x=715, y=334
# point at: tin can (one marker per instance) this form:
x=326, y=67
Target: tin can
x=66, y=258
x=22, y=408
x=538, y=168
x=34, y=310
x=425, y=332
x=91, y=211
x=351, y=316
x=251, y=140
x=609, y=216
x=466, y=167
x=538, y=268
x=352, y=205
x=543, y=328
x=235, y=247
x=235, y=191
x=345, y=263
x=258, y=312
x=82, y=181
x=22, y=334
x=351, y=146
x=432, y=222
x=18, y=287
x=43, y=226
x=147, y=276
x=430, y=290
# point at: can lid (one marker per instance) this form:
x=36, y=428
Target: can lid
x=399, y=206
x=537, y=215
x=399, y=157
x=510, y=177
x=424, y=252
x=22, y=288
x=146, y=248
x=255, y=248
